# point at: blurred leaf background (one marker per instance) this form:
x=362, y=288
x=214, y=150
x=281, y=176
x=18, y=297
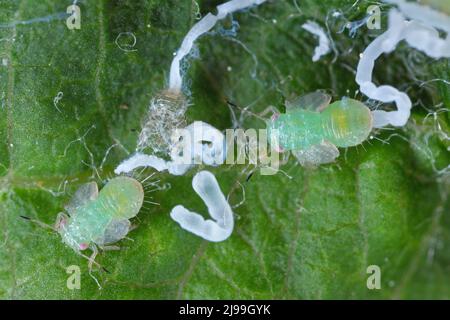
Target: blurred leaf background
x=302, y=234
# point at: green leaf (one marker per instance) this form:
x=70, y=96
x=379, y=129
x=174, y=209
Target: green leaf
x=301, y=234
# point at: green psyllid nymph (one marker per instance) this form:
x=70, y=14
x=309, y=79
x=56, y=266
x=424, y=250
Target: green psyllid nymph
x=99, y=219
x=312, y=128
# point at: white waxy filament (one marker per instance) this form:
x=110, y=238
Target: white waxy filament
x=216, y=230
